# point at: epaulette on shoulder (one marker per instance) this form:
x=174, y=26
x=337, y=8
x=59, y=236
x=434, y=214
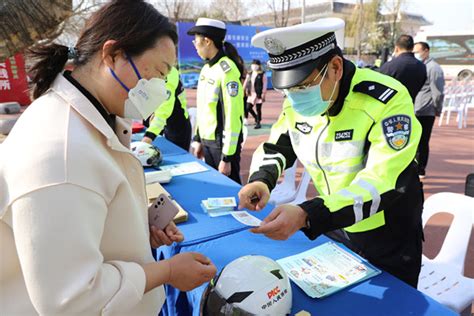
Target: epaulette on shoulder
x=376, y=90
x=225, y=66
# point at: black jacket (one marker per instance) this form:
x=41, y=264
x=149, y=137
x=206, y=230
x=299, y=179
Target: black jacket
x=408, y=70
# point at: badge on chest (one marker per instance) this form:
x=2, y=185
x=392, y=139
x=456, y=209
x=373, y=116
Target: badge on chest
x=303, y=127
x=344, y=135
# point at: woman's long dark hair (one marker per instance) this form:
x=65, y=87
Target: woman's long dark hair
x=134, y=24
x=230, y=52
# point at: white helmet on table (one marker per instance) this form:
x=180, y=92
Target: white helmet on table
x=249, y=285
x=148, y=154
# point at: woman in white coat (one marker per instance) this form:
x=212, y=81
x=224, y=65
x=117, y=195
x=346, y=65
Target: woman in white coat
x=74, y=233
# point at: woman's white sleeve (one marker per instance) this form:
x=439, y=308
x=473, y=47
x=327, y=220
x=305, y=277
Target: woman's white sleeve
x=58, y=232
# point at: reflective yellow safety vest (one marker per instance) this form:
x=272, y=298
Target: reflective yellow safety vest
x=173, y=111
x=355, y=157
x=220, y=105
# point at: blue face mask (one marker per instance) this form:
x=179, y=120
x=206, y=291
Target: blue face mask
x=308, y=101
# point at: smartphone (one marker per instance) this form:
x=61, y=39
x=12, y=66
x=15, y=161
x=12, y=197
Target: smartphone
x=162, y=211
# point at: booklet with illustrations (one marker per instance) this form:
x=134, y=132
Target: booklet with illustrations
x=326, y=269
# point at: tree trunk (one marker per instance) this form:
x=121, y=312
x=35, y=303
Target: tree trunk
x=23, y=22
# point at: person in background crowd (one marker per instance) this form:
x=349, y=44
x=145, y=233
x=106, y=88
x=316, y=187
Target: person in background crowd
x=428, y=102
x=247, y=92
x=74, y=232
x=171, y=118
x=243, y=75
x=219, y=99
x=356, y=134
x=405, y=67
x=258, y=89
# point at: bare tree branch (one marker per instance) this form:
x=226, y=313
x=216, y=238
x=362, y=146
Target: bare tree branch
x=279, y=13
x=23, y=22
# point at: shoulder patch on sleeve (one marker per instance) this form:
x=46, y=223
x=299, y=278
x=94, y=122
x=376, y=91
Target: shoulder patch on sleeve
x=397, y=130
x=225, y=66
x=375, y=90
x=233, y=88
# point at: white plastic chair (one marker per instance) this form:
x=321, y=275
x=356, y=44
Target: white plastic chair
x=287, y=191
x=456, y=100
x=302, y=188
x=245, y=134
x=442, y=277
x=192, y=118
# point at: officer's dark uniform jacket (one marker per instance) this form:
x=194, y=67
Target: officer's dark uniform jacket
x=408, y=70
x=220, y=106
x=360, y=156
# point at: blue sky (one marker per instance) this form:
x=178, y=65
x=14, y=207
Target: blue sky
x=446, y=15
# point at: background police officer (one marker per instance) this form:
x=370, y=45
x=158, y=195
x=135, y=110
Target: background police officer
x=219, y=99
x=355, y=132
x=171, y=118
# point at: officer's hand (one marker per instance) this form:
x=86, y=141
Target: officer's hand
x=147, y=140
x=225, y=168
x=170, y=234
x=189, y=270
x=254, y=196
x=282, y=222
x=198, y=152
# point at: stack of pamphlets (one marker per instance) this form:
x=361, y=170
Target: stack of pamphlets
x=219, y=206
x=184, y=168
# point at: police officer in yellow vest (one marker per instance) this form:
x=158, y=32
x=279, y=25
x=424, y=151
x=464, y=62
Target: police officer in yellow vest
x=219, y=99
x=171, y=118
x=355, y=132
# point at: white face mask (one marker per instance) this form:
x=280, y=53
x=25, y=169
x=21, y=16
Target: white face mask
x=145, y=97
x=418, y=56
x=255, y=67
x=143, y=100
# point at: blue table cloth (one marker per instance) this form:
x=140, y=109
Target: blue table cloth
x=167, y=148
x=189, y=190
x=380, y=295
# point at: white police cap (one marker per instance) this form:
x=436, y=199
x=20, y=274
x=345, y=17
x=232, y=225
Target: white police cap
x=294, y=49
x=209, y=27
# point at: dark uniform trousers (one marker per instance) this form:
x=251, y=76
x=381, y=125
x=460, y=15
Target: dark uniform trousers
x=424, y=145
x=181, y=138
x=213, y=156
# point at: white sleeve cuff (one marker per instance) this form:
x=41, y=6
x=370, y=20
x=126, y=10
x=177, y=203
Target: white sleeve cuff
x=131, y=289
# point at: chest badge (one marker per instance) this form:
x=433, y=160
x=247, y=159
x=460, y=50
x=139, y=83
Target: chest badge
x=397, y=131
x=303, y=127
x=343, y=135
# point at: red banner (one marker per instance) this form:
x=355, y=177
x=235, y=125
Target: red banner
x=13, y=82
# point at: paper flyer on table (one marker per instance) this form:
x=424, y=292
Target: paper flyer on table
x=326, y=269
x=245, y=218
x=184, y=168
